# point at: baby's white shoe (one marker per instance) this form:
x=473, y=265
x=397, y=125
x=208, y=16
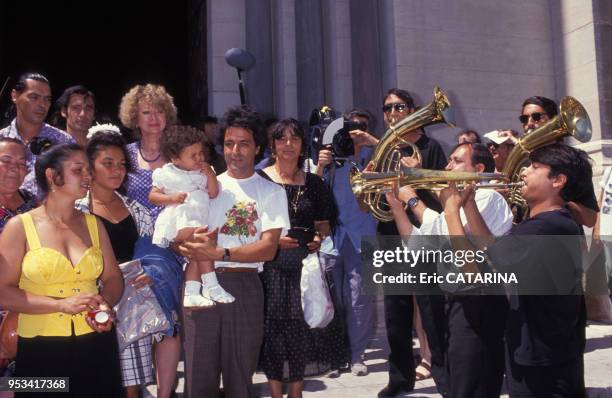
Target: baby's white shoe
x=197, y=301
x=218, y=294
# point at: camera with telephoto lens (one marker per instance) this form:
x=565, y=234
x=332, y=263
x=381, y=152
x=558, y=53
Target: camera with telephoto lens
x=327, y=131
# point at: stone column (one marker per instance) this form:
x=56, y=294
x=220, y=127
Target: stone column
x=284, y=58
x=582, y=46
x=259, y=80
x=602, y=15
x=226, y=29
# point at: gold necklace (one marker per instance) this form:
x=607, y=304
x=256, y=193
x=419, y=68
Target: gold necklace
x=110, y=214
x=293, y=202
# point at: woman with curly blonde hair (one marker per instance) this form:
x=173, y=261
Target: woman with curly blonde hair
x=148, y=110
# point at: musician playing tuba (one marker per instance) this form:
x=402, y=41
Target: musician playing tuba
x=536, y=112
x=397, y=105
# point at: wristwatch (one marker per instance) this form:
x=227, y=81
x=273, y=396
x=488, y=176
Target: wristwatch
x=412, y=202
x=226, y=255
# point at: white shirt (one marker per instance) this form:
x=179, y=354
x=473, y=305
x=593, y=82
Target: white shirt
x=491, y=205
x=244, y=209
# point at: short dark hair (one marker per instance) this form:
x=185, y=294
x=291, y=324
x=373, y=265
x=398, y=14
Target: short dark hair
x=62, y=102
x=479, y=154
x=402, y=94
x=270, y=121
x=470, y=132
x=296, y=128
x=52, y=158
x=209, y=119
x=572, y=162
x=361, y=112
x=549, y=106
x=245, y=117
x=22, y=80
x=102, y=140
x=178, y=137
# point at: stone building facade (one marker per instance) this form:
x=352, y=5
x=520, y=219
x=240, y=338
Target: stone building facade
x=488, y=55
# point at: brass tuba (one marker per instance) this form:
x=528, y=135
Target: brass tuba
x=387, y=155
x=572, y=120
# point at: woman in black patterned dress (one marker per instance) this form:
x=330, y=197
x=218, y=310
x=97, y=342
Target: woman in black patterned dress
x=291, y=350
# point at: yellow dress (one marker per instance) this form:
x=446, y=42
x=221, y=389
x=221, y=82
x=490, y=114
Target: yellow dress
x=47, y=272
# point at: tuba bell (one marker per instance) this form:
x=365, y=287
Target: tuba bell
x=387, y=154
x=572, y=120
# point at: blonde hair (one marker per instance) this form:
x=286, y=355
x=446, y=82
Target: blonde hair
x=156, y=95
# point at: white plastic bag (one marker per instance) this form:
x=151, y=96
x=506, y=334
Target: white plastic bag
x=138, y=312
x=316, y=300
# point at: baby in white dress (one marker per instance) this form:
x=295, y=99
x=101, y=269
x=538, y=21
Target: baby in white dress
x=184, y=186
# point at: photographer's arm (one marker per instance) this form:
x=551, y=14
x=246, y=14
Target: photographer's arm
x=325, y=159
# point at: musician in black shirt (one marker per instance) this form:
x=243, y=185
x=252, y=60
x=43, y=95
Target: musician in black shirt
x=542, y=339
x=399, y=309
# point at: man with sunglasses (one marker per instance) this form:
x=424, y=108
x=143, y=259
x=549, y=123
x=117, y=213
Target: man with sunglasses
x=399, y=310
x=536, y=112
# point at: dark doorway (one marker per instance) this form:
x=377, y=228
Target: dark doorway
x=108, y=46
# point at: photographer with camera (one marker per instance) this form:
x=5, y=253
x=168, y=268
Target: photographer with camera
x=341, y=256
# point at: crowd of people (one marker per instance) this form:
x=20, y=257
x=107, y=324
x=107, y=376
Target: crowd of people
x=221, y=217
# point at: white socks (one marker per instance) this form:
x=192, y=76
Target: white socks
x=193, y=297
x=215, y=291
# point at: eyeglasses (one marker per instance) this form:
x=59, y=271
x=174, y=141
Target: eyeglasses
x=536, y=116
x=399, y=107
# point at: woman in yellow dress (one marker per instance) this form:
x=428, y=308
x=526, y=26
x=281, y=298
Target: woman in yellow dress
x=57, y=268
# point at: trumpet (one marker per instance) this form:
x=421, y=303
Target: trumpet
x=365, y=183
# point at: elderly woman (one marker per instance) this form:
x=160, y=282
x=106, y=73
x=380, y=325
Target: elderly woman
x=13, y=169
x=13, y=201
x=147, y=110
x=51, y=260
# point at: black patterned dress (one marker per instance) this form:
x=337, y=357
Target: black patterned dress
x=291, y=349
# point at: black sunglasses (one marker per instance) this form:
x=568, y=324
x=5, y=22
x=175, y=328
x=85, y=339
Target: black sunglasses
x=399, y=107
x=536, y=116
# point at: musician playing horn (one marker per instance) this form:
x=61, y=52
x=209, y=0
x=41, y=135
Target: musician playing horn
x=543, y=332
x=537, y=111
x=469, y=318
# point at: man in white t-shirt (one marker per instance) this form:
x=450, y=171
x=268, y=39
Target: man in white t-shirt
x=475, y=322
x=246, y=221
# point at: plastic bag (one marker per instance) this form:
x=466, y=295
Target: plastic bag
x=138, y=312
x=316, y=299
